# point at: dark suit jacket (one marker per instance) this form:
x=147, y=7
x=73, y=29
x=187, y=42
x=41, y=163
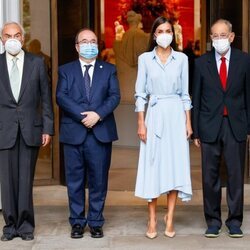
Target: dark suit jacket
x=209, y=97
x=71, y=98
x=33, y=112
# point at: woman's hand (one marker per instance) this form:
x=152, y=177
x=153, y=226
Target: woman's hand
x=189, y=130
x=142, y=132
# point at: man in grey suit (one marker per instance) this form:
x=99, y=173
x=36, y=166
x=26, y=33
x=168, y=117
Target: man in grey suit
x=26, y=123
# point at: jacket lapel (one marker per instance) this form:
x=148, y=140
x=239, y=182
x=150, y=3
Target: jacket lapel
x=97, y=74
x=28, y=67
x=232, y=68
x=5, y=75
x=212, y=67
x=77, y=72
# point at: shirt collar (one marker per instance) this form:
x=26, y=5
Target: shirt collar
x=84, y=63
x=227, y=55
x=172, y=54
x=20, y=56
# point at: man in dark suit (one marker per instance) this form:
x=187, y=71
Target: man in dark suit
x=87, y=93
x=221, y=123
x=26, y=123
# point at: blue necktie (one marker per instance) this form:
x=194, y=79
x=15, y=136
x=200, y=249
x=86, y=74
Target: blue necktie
x=86, y=78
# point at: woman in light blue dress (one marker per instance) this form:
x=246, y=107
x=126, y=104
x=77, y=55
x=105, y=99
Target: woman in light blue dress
x=164, y=163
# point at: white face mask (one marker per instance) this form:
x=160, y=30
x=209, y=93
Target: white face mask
x=221, y=45
x=13, y=46
x=164, y=40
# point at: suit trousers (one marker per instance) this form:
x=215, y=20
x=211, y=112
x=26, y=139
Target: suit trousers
x=16, y=176
x=234, y=155
x=90, y=159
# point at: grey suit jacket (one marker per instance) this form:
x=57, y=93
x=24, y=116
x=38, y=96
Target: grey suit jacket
x=33, y=112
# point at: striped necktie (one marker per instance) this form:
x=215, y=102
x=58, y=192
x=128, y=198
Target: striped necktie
x=86, y=78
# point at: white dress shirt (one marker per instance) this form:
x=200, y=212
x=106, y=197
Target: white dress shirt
x=20, y=63
x=218, y=59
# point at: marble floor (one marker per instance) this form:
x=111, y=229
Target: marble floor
x=126, y=219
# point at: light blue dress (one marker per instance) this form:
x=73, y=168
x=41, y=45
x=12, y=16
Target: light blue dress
x=164, y=162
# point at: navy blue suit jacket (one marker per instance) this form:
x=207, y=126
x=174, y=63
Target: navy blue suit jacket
x=71, y=98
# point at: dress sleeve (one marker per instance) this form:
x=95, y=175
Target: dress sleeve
x=140, y=86
x=184, y=85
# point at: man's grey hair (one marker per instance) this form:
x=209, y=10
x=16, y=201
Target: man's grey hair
x=229, y=25
x=9, y=23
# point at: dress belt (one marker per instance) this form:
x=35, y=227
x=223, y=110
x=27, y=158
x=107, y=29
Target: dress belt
x=153, y=100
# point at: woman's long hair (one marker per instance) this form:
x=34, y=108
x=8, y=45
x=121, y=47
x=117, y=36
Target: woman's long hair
x=152, y=41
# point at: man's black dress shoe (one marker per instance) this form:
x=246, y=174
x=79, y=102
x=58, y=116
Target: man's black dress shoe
x=77, y=231
x=7, y=237
x=96, y=232
x=27, y=236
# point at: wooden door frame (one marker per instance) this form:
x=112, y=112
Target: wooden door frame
x=55, y=179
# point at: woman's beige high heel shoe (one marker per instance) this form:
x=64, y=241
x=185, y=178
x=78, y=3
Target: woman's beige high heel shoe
x=167, y=233
x=151, y=235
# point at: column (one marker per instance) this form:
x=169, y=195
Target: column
x=1, y=45
x=9, y=11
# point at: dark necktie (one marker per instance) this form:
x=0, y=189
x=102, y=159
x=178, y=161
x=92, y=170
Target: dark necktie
x=86, y=78
x=223, y=77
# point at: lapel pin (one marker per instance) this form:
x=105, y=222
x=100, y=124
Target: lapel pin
x=100, y=66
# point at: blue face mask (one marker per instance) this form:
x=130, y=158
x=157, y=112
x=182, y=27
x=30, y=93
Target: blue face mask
x=88, y=51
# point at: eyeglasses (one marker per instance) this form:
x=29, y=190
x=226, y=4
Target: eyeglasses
x=220, y=36
x=84, y=41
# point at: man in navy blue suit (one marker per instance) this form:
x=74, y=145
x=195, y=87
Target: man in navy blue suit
x=87, y=93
